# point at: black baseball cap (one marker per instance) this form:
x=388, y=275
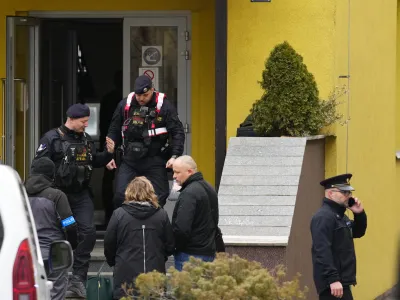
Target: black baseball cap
x=143, y=84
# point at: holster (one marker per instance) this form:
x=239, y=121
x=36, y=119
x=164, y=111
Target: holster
x=135, y=150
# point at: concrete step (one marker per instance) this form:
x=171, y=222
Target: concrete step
x=97, y=259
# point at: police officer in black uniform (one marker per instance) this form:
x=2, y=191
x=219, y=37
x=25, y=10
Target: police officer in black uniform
x=147, y=127
x=74, y=155
x=333, y=253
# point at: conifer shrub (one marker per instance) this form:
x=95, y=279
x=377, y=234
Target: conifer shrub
x=290, y=104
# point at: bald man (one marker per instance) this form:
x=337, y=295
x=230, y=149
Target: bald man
x=195, y=217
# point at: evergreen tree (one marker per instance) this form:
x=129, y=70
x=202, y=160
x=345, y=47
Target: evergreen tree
x=290, y=105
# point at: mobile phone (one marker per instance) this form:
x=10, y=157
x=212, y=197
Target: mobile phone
x=351, y=202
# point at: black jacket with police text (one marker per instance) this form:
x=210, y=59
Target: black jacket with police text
x=138, y=240
x=333, y=254
x=195, y=217
x=50, y=145
x=54, y=145
x=51, y=212
x=167, y=117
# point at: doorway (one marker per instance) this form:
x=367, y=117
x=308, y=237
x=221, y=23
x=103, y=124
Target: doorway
x=81, y=62
x=69, y=60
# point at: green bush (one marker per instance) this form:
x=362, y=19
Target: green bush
x=228, y=277
x=290, y=105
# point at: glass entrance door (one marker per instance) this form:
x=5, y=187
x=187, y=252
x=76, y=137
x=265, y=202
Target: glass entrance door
x=159, y=48
x=21, y=92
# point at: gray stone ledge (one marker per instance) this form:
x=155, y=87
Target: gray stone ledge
x=270, y=241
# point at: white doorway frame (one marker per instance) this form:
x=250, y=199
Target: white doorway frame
x=135, y=14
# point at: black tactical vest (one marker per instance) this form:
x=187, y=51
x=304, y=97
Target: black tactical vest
x=139, y=123
x=75, y=170
x=137, y=140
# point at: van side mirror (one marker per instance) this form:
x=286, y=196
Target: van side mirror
x=60, y=256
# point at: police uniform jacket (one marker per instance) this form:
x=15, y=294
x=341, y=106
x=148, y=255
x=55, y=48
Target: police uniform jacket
x=333, y=253
x=52, y=146
x=167, y=117
x=52, y=213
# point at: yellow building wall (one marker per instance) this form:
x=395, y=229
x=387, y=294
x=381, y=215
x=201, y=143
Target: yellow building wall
x=319, y=32
x=255, y=28
x=372, y=134
x=202, y=58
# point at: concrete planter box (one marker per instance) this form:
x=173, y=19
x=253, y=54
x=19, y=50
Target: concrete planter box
x=269, y=190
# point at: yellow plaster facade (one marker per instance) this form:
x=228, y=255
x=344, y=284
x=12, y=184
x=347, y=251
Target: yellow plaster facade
x=319, y=31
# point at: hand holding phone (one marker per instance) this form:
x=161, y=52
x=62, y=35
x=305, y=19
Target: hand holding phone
x=355, y=205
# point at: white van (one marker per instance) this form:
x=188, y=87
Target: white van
x=22, y=271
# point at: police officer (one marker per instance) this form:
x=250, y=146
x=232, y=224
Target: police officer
x=147, y=127
x=333, y=253
x=73, y=152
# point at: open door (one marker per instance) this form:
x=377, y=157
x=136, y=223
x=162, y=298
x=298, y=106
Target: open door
x=21, y=93
x=58, y=65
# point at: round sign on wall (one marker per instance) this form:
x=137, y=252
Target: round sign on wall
x=149, y=73
x=152, y=56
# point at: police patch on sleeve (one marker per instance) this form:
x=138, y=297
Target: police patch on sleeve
x=68, y=221
x=41, y=148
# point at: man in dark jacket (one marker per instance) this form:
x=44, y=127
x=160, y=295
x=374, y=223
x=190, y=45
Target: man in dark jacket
x=139, y=236
x=333, y=253
x=53, y=218
x=195, y=217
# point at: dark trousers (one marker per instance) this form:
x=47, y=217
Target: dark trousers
x=82, y=208
x=107, y=191
x=153, y=168
x=60, y=283
x=326, y=295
